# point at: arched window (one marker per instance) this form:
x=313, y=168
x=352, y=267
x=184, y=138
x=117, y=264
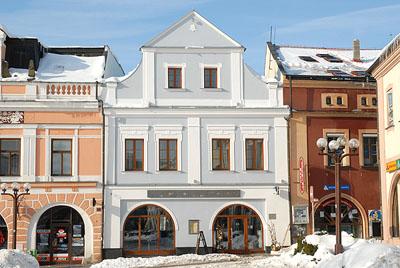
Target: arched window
x=238, y=229
x=395, y=228
x=149, y=230
x=351, y=218
x=60, y=236
x=3, y=234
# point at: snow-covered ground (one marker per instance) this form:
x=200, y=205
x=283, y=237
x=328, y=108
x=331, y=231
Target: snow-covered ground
x=359, y=253
x=16, y=259
x=186, y=259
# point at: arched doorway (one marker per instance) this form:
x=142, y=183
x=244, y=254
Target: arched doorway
x=60, y=236
x=3, y=234
x=238, y=229
x=395, y=208
x=325, y=217
x=149, y=230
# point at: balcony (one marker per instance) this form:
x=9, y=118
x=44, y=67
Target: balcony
x=48, y=91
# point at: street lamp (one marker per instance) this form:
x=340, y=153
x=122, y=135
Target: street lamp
x=15, y=187
x=335, y=150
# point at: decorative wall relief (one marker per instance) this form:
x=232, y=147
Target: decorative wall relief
x=11, y=117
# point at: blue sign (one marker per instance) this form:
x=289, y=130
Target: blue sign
x=330, y=187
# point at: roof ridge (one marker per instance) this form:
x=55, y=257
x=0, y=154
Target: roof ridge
x=315, y=47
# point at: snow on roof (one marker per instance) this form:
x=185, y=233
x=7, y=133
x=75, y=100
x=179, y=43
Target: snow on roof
x=289, y=56
x=386, y=52
x=63, y=68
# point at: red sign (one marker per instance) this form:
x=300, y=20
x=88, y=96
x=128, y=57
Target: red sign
x=301, y=175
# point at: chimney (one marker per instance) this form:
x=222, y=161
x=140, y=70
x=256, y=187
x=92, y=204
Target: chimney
x=356, y=50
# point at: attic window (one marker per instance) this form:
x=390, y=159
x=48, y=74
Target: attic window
x=308, y=58
x=329, y=58
x=337, y=72
x=339, y=100
x=359, y=73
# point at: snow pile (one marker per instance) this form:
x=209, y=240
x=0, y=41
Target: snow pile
x=63, y=68
x=165, y=261
x=17, y=259
x=359, y=253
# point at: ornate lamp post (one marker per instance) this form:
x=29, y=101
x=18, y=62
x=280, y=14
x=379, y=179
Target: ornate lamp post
x=335, y=150
x=15, y=187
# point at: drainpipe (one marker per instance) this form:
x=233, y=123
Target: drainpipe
x=289, y=154
x=101, y=106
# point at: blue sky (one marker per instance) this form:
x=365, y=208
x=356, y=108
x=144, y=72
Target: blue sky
x=127, y=24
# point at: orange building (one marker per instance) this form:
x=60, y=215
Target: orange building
x=51, y=137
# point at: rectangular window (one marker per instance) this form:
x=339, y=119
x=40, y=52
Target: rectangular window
x=220, y=154
x=168, y=154
x=61, y=157
x=210, y=77
x=390, y=108
x=134, y=154
x=370, y=150
x=10, y=155
x=254, y=154
x=174, y=77
x=330, y=137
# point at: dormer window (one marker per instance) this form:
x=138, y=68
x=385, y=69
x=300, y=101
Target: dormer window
x=174, y=77
x=308, y=58
x=329, y=58
x=339, y=100
x=210, y=77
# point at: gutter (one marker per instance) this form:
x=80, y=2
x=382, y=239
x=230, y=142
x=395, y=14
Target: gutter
x=101, y=106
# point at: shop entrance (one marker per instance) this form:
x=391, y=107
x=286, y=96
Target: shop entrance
x=238, y=229
x=60, y=237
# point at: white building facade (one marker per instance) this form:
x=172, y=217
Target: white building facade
x=194, y=141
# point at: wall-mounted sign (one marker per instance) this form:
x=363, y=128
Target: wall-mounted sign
x=393, y=165
x=375, y=215
x=300, y=214
x=301, y=175
x=329, y=187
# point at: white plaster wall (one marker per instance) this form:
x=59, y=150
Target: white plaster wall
x=264, y=200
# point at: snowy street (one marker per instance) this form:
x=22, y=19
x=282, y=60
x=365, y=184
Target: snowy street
x=358, y=253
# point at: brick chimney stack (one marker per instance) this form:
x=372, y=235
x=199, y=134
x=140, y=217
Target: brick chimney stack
x=356, y=50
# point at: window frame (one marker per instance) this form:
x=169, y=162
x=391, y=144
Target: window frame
x=212, y=83
x=341, y=100
x=183, y=73
x=369, y=135
x=368, y=132
x=134, y=168
x=337, y=132
x=389, y=108
x=168, y=154
x=254, y=153
x=221, y=132
x=204, y=66
x=62, y=174
x=9, y=155
x=175, y=86
x=221, y=154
